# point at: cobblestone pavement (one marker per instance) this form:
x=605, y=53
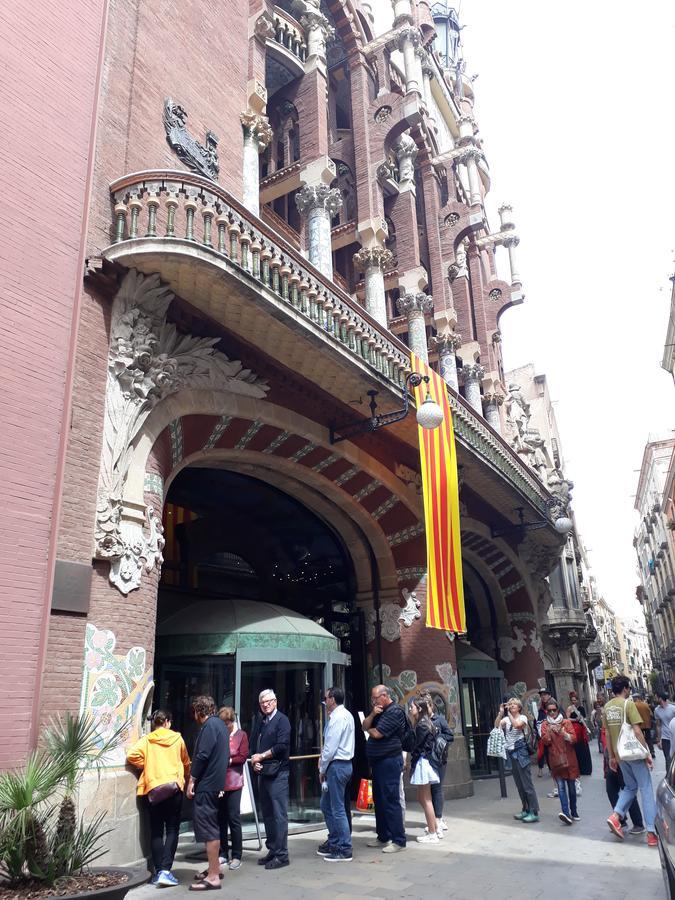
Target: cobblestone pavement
x=485, y=854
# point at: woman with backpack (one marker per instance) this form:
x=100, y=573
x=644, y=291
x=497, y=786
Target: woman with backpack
x=516, y=732
x=444, y=737
x=423, y=774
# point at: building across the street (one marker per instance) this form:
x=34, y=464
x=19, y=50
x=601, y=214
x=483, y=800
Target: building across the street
x=654, y=543
x=240, y=220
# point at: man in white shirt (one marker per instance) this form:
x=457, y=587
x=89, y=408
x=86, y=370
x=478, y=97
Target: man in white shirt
x=335, y=772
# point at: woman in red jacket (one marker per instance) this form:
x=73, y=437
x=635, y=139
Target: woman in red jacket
x=558, y=735
x=229, y=804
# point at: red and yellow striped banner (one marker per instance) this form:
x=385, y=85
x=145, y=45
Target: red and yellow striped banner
x=445, y=589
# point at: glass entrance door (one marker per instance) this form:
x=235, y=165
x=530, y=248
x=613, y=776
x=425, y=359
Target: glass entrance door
x=299, y=688
x=480, y=703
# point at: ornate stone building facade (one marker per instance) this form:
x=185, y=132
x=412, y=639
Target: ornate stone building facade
x=655, y=548
x=266, y=229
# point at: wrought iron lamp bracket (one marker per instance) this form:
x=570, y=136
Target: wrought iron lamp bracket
x=352, y=429
x=524, y=526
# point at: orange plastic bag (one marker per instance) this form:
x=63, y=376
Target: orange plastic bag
x=364, y=799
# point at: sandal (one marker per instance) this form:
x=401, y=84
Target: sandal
x=204, y=886
x=200, y=876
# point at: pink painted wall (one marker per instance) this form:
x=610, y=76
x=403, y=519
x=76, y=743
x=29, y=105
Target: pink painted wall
x=50, y=62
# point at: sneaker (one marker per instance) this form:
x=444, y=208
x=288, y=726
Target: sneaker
x=652, y=840
x=223, y=860
x=552, y=794
x=166, y=879
x=428, y=838
x=378, y=843
x=440, y=834
x=577, y=818
x=565, y=818
x=338, y=857
x=531, y=817
x=154, y=878
x=637, y=829
x=444, y=827
x=615, y=825
x=521, y=815
x=324, y=850
x=391, y=847
x=234, y=864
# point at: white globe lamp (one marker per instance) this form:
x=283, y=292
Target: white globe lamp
x=429, y=414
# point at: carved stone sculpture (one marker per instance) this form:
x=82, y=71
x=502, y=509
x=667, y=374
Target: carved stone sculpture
x=406, y=154
x=459, y=269
x=148, y=360
x=411, y=610
x=517, y=410
x=200, y=159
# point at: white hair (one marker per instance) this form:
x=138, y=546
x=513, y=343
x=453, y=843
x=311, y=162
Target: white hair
x=269, y=693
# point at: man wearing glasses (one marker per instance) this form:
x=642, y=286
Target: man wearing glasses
x=385, y=727
x=271, y=739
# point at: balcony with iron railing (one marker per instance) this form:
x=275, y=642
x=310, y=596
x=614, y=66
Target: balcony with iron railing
x=233, y=266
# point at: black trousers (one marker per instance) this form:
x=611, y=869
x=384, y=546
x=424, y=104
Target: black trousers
x=229, y=819
x=164, y=828
x=613, y=785
x=650, y=740
x=273, y=793
x=437, y=793
x=665, y=746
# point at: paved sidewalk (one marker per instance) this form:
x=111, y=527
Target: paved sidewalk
x=485, y=854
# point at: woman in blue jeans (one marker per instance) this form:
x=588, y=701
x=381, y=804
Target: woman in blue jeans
x=559, y=736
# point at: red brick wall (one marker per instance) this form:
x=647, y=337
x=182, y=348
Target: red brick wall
x=48, y=95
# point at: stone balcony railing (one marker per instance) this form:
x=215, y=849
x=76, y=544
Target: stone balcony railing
x=565, y=626
x=181, y=210
x=289, y=34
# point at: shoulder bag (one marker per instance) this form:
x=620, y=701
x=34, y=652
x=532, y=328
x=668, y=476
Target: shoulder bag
x=496, y=743
x=628, y=747
x=162, y=792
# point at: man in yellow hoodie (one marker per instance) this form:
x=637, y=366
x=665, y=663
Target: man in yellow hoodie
x=163, y=760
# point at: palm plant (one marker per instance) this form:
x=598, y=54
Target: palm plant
x=75, y=743
x=32, y=836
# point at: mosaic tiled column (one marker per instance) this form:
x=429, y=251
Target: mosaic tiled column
x=373, y=261
x=492, y=403
x=317, y=203
x=257, y=135
x=447, y=345
x=414, y=306
x=472, y=375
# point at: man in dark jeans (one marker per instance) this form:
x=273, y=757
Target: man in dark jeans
x=385, y=727
x=207, y=779
x=271, y=740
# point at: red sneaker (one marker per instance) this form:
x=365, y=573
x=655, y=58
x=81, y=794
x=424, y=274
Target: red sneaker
x=652, y=840
x=615, y=825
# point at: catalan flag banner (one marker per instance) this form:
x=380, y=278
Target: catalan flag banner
x=440, y=488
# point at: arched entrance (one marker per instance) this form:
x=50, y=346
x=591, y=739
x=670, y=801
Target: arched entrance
x=256, y=591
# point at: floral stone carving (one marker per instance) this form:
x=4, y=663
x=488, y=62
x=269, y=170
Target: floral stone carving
x=148, y=361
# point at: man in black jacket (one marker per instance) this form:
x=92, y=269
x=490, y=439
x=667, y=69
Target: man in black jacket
x=271, y=743
x=207, y=779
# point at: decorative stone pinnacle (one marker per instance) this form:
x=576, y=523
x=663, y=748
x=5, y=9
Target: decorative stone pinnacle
x=412, y=304
x=446, y=341
x=473, y=372
x=318, y=196
x=257, y=128
x=373, y=257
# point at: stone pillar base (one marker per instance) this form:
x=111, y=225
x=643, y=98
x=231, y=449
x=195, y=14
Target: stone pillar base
x=128, y=843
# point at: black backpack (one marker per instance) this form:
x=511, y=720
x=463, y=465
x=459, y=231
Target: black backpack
x=439, y=751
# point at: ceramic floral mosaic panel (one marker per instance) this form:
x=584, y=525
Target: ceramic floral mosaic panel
x=114, y=688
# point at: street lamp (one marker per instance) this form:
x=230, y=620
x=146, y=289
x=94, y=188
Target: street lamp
x=429, y=414
x=562, y=524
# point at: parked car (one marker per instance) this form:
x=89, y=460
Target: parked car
x=665, y=827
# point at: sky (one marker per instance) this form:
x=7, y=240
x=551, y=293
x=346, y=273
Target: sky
x=575, y=107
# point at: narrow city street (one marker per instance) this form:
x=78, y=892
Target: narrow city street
x=485, y=854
